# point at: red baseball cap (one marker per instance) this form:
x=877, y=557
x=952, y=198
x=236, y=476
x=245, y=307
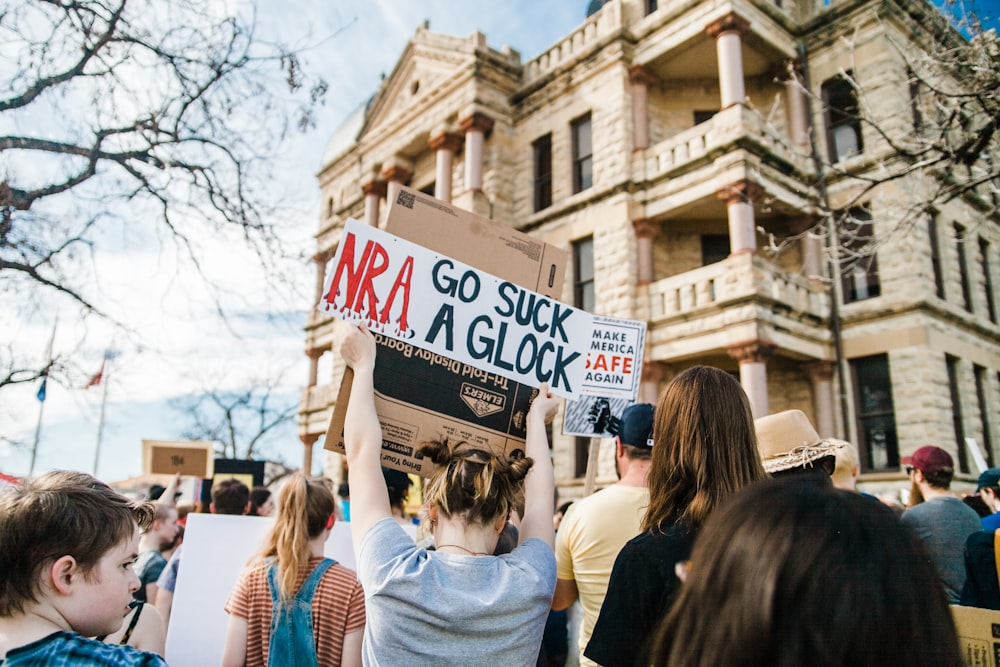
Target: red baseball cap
x=930, y=460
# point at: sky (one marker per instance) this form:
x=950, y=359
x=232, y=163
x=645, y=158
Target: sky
x=180, y=346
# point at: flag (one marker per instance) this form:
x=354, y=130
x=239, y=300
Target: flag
x=41, y=389
x=97, y=377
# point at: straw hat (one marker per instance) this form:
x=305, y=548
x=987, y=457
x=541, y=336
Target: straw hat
x=787, y=440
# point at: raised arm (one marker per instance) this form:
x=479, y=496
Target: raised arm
x=539, y=485
x=363, y=436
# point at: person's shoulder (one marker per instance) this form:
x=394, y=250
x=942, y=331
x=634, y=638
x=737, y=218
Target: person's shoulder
x=991, y=522
x=63, y=649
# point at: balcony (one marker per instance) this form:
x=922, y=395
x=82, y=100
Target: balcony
x=744, y=296
x=734, y=126
x=318, y=397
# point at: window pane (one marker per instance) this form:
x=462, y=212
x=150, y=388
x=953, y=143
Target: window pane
x=876, y=419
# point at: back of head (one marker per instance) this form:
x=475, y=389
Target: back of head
x=473, y=483
x=635, y=431
x=704, y=447
x=305, y=506
x=58, y=514
x=258, y=496
x=789, y=570
x=230, y=496
x=397, y=483
x=936, y=465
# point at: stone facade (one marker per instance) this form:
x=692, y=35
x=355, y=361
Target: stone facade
x=704, y=209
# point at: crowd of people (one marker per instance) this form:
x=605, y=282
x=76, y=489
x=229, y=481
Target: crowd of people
x=727, y=540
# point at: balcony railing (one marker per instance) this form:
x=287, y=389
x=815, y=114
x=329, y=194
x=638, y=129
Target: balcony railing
x=723, y=129
x=736, y=278
x=318, y=397
x=605, y=22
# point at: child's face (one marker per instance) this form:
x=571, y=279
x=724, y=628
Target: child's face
x=107, y=592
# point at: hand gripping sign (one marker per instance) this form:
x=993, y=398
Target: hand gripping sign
x=409, y=293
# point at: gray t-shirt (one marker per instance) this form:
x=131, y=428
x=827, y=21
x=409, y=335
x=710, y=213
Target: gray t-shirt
x=432, y=608
x=944, y=524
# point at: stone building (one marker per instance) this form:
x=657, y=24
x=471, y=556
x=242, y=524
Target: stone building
x=666, y=146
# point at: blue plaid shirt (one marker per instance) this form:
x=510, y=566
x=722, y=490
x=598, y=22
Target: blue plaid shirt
x=68, y=649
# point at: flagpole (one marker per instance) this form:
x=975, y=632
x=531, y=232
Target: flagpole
x=38, y=431
x=100, y=424
x=41, y=399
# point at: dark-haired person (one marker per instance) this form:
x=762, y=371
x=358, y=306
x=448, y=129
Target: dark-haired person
x=397, y=484
x=595, y=528
x=704, y=450
x=458, y=604
x=67, y=546
x=790, y=573
x=988, y=490
x=292, y=606
x=261, y=501
x=230, y=496
x=938, y=517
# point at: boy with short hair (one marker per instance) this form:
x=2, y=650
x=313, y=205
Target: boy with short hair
x=67, y=546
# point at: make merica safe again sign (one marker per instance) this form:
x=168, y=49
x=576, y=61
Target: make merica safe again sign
x=438, y=304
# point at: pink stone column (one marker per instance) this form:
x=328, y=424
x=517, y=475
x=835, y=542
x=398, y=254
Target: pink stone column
x=307, y=451
x=645, y=233
x=395, y=174
x=811, y=247
x=739, y=198
x=444, y=145
x=314, y=356
x=649, y=384
x=798, y=122
x=752, y=357
x=641, y=79
x=374, y=191
x=821, y=376
x=728, y=32
x=475, y=128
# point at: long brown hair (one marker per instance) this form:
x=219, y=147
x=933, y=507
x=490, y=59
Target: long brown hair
x=473, y=483
x=704, y=447
x=304, y=507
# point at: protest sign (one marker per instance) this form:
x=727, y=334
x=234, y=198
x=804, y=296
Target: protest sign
x=594, y=416
x=216, y=549
x=194, y=458
x=478, y=319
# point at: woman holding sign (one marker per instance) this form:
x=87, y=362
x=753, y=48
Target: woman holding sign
x=458, y=604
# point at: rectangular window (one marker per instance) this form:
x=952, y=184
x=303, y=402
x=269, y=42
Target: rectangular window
x=984, y=412
x=583, y=158
x=963, y=267
x=956, y=411
x=584, y=296
x=843, y=126
x=932, y=233
x=876, y=420
x=650, y=6
x=714, y=248
x=984, y=266
x=542, y=149
x=858, y=260
x=582, y=446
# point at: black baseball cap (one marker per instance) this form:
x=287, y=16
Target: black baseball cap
x=637, y=425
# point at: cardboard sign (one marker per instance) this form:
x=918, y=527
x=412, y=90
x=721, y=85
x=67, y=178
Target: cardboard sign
x=193, y=458
x=489, y=246
x=477, y=319
x=422, y=397
x=594, y=416
x=428, y=397
x=978, y=635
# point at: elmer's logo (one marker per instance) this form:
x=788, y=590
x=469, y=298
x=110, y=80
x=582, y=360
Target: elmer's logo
x=482, y=401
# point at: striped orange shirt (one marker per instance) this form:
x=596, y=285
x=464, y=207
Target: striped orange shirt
x=337, y=608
